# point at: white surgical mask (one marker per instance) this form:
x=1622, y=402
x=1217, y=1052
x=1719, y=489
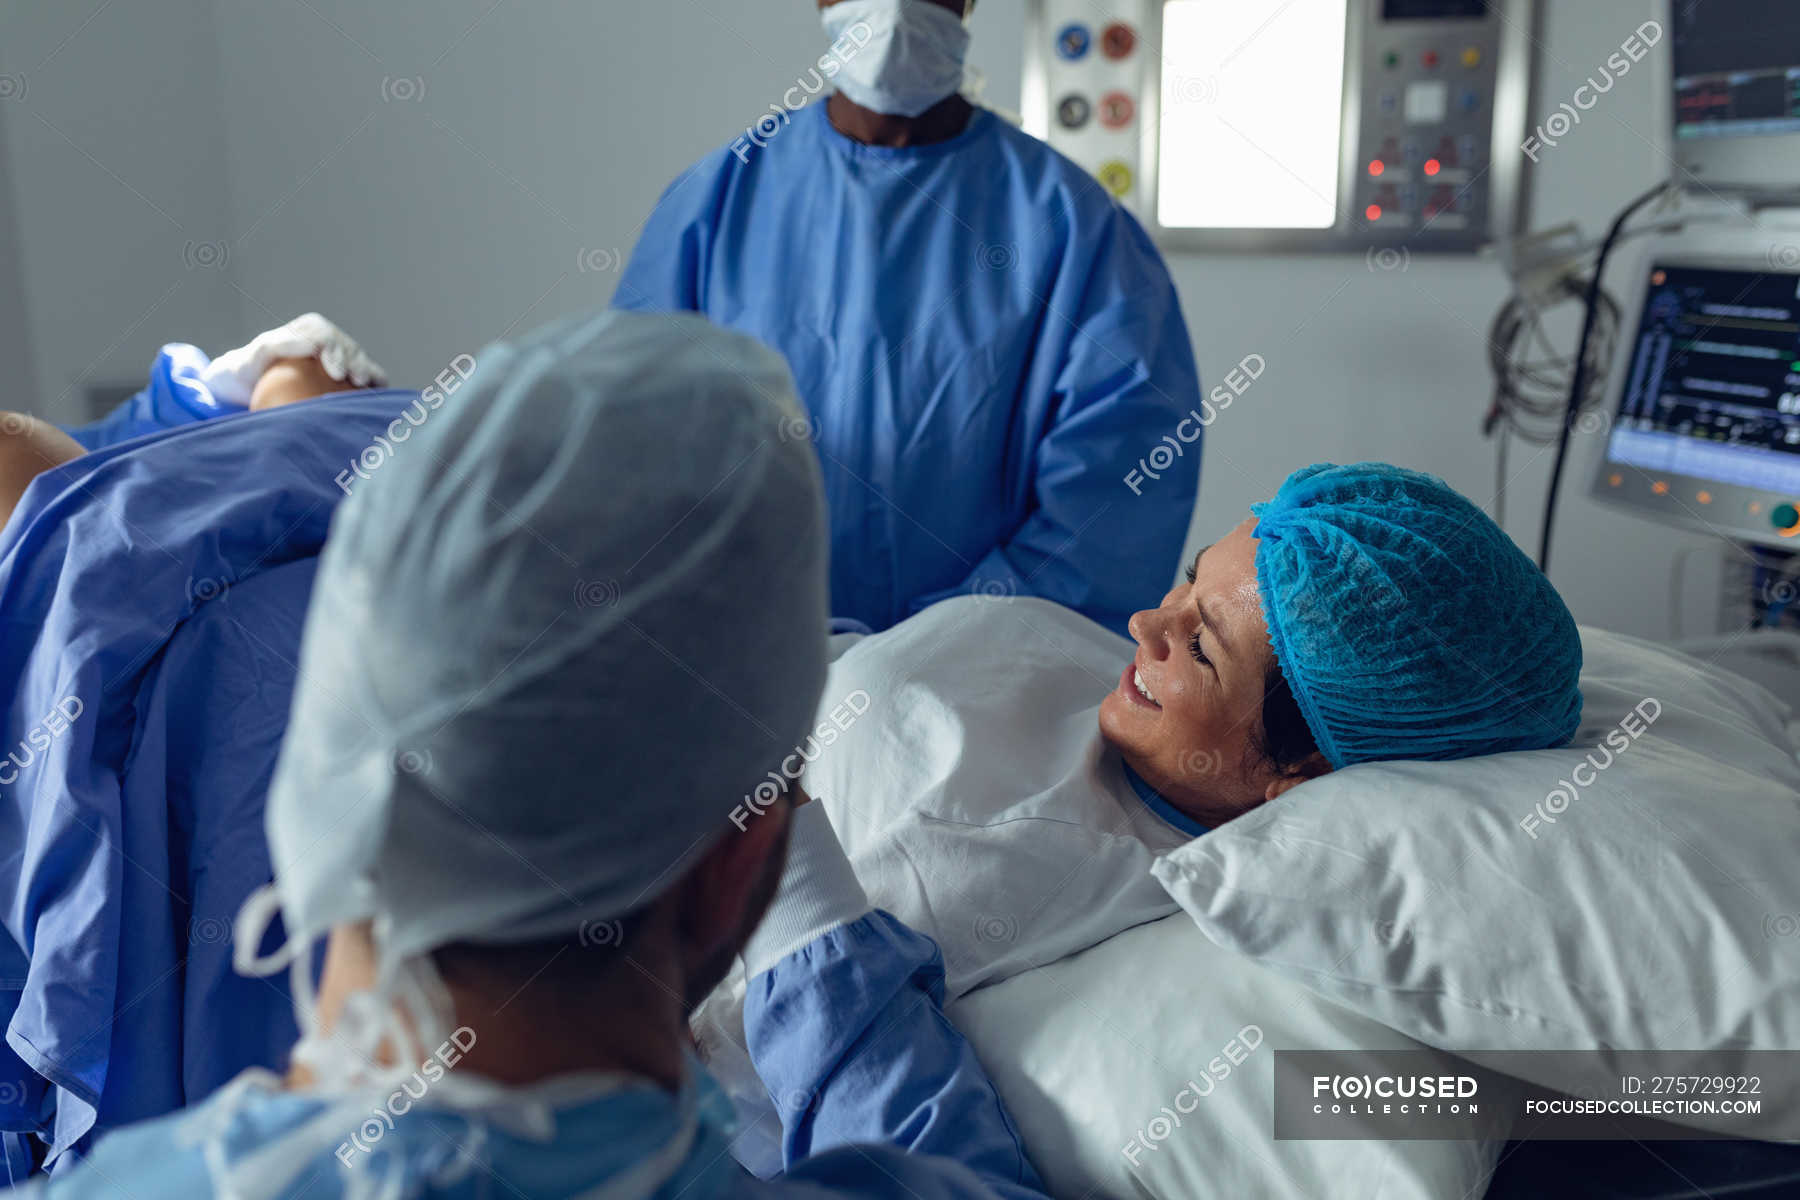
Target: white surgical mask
x=899, y=57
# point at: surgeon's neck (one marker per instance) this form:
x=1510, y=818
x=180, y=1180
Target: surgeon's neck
x=527, y=1028
x=630, y=1021
x=946, y=119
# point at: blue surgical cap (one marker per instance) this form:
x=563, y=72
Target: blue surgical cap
x=1408, y=624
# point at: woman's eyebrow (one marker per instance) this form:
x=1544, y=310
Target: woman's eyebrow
x=1194, y=567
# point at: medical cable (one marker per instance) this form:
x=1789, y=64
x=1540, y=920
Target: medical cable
x=1583, y=363
x=1531, y=377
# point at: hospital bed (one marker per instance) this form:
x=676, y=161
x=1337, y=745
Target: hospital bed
x=154, y=591
x=1093, y=1050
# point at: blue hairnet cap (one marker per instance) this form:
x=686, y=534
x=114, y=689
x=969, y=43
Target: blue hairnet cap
x=1407, y=623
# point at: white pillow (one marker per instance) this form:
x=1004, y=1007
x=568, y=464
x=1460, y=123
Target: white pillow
x=1098, y=1056
x=1502, y=904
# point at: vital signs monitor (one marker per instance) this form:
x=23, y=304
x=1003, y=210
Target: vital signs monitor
x=1737, y=93
x=1706, y=393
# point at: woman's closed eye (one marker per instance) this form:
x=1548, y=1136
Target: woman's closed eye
x=1196, y=651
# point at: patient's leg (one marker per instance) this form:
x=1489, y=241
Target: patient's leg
x=28, y=448
x=291, y=380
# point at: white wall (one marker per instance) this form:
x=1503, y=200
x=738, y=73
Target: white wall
x=110, y=122
x=15, y=334
x=540, y=138
x=433, y=173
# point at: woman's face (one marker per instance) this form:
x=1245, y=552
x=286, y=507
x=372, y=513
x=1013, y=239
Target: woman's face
x=1203, y=656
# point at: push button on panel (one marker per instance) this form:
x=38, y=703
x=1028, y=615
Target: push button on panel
x=1427, y=103
x=1118, y=40
x=1117, y=110
x=1074, y=111
x=1786, y=519
x=1118, y=178
x=1074, y=42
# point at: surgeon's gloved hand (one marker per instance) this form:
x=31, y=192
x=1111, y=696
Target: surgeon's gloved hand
x=232, y=377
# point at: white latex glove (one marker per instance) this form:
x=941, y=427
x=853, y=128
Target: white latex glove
x=232, y=376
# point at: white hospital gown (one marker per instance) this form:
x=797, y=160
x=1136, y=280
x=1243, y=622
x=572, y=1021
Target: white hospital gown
x=976, y=799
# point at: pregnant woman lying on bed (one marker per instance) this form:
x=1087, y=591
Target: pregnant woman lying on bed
x=1003, y=773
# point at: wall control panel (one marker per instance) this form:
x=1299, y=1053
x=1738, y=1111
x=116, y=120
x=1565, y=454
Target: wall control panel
x=1315, y=125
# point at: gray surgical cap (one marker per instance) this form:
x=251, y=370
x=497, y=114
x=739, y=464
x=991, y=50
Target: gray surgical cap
x=555, y=639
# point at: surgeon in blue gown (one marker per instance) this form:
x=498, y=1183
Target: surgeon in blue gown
x=986, y=342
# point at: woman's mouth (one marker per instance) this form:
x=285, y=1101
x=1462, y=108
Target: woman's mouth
x=1131, y=683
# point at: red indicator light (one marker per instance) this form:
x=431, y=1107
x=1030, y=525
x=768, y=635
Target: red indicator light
x=1374, y=212
x=1433, y=166
x=1377, y=167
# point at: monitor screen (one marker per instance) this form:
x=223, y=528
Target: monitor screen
x=1713, y=384
x=1432, y=10
x=1737, y=67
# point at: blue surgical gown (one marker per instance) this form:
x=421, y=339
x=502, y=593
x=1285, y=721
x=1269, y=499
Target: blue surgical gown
x=988, y=345
x=897, y=1108
x=174, y=397
x=151, y=599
